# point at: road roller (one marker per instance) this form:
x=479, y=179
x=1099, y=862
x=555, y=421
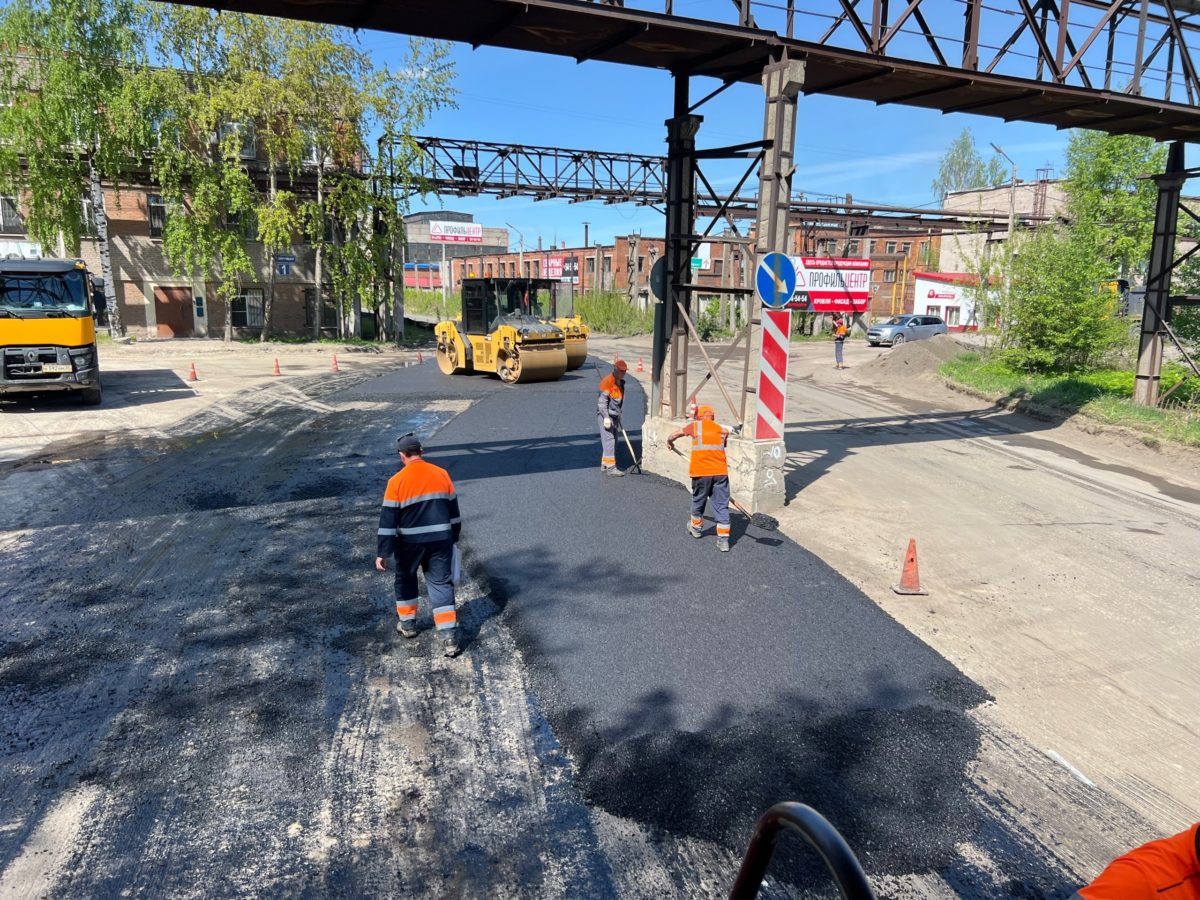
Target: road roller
x=506, y=329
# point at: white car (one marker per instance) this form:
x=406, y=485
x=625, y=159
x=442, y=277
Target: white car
x=898, y=329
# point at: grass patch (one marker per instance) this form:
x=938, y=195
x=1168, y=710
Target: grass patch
x=613, y=314
x=1100, y=394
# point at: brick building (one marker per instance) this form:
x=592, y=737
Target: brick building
x=895, y=260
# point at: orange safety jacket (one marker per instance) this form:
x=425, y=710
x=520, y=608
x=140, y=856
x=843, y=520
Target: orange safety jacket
x=611, y=398
x=708, y=449
x=419, y=507
x=1167, y=869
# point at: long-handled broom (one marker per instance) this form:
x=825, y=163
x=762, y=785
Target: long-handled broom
x=758, y=520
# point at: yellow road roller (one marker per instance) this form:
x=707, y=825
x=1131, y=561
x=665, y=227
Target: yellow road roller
x=505, y=329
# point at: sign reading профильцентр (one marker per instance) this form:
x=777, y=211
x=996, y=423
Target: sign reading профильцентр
x=456, y=232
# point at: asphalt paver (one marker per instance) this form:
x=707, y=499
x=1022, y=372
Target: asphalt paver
x=694, y=688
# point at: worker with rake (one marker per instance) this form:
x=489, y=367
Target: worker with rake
x=709, y=471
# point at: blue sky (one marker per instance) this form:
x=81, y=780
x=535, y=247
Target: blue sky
x=885, y=154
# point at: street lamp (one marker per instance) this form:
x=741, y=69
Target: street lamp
x=521, y=249
x=1012, y=192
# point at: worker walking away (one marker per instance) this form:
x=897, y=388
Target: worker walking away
x=1166, y=869
x=419, y=526
x=608, y=415
x=709, y=471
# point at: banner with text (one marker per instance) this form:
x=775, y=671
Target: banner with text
x=832, y=284
x=456, y=232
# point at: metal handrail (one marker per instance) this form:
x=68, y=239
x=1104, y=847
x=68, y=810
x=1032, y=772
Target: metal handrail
x=843, y=865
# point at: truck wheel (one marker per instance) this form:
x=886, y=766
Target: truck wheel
x=91, y=396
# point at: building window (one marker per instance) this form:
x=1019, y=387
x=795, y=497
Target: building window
x=641, y=264
x=246, y=310
x=906, y=247
x=311, y=155
x=871, y=248
x=488, y=270
x=718, y=266
x=10, y=216
x=889, y=275
x=328, y=310
x=537, y=268
x=934, y=310
x=826, y=247
x=243, y=223
x=591, y=265
x=608, y=265
x=157, y=211
x=244, y=134
x=87, y=218
x=853, y=248
x=889, y=247
x=952, y=315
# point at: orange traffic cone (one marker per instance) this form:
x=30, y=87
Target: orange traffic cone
x=910, y=577
x=639, y=368
x=192, y=376
x=276, y=370
x=334, y=366
x=420, y=357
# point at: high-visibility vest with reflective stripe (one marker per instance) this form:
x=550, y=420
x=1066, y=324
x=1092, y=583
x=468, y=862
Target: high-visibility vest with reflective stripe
x=708, y=449
x=611, y=397
x=419, y=507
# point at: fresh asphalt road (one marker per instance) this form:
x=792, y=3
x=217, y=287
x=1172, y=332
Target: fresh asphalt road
x=694, y=688
x=201, y=694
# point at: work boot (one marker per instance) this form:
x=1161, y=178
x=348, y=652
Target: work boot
x=407, y=629
x=614, y=471
x=694, y=531
x=450, y=645
x=723, y=544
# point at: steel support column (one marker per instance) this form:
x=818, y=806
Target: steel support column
x=1158, y=278
x=669, y=361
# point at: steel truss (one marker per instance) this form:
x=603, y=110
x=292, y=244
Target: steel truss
x=471, y=168
x=1122, y=66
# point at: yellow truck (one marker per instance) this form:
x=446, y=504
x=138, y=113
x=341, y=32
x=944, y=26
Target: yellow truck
x=47, y=329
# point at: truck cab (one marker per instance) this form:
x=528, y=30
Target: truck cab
x=47, y=328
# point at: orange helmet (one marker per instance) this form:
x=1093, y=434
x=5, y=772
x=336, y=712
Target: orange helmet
x=705, y=412
x=621, y=366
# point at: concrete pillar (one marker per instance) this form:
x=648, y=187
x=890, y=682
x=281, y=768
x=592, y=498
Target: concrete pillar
x=756, y=467
x=1158, y=278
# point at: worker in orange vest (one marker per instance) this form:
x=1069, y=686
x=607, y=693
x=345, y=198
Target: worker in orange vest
x=608, y=415
x=709, y=471
x=419, y=526
x=1167, y=869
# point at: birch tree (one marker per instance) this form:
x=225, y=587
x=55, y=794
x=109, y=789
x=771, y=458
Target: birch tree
x=75, y=120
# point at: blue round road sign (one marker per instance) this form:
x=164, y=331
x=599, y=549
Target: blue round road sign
x=775, y=280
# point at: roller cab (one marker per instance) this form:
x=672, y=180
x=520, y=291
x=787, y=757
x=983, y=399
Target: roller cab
x=47, y=329
x=506, y=329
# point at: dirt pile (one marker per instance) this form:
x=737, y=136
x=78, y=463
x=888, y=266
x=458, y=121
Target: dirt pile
x=917, y=359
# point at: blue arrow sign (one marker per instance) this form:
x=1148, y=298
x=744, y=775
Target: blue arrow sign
x=775, y=280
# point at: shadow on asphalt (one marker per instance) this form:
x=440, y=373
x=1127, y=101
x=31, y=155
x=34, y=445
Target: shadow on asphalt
x=122, y=390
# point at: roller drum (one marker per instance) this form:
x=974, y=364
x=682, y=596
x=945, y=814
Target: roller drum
x=576, y=353
x=527, y=363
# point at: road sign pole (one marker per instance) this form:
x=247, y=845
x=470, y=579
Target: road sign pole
x=757, y=457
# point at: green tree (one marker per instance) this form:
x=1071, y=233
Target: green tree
x=962, y=168
x=1057, y=318
x=1109, y=201
x=198, y=163
x=258, y=92
x=76, y=118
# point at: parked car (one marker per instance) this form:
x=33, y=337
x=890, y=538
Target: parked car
x=898, y=329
